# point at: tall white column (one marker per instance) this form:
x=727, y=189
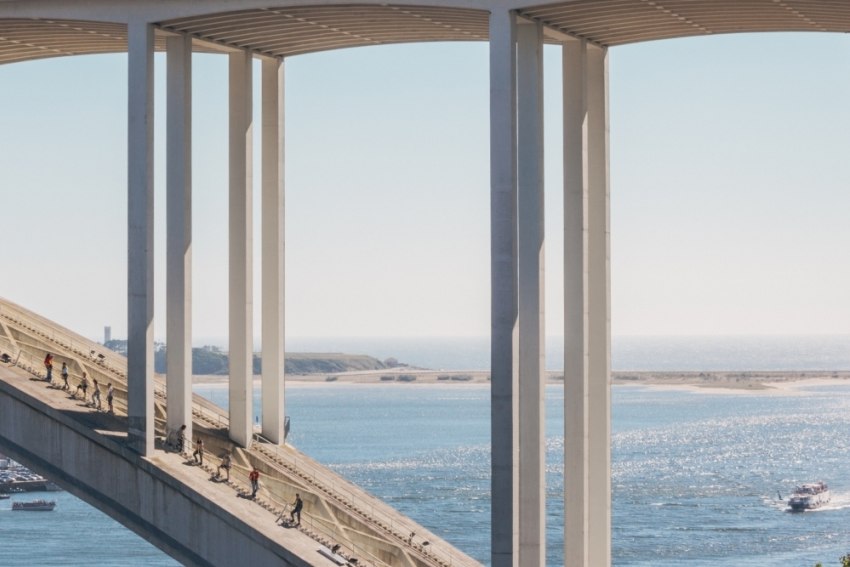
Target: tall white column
x=179, y=234
x=503, y=285
x=273, y=250
x=532, y=393
x=140, y=293
x=587, y=352
x=576, y=470
x=241, y=249
x=599, y=301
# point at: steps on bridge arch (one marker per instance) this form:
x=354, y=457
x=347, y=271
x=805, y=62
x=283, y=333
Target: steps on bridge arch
x=172, y=504
x=337, y=512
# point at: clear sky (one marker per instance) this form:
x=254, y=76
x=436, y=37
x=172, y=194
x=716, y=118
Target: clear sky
x=729, y=187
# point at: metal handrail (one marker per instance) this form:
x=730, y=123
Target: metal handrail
x=241, y=481
x=343, y=491
x=334, y=487
x=102, y=359
x=35, y=365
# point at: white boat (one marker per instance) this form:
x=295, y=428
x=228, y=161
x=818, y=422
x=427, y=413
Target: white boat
x=34, y=506
x=809, y=496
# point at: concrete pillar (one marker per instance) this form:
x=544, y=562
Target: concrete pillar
x=179, y=234
x=587, y=349
x=273, y=250
x=241, y=249
x=599, y=301
x=140, y=293
x=503, y=286
x=576, y=471
x=532, y=393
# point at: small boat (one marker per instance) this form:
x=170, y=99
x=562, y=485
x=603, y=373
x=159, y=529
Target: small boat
x=4, y=496
x=809, y=496
x=34, y=506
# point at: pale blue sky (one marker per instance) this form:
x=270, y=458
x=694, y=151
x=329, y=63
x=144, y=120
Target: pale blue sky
x=728, y=181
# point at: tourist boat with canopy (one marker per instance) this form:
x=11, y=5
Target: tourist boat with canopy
x=34, y=506
x=809, y=496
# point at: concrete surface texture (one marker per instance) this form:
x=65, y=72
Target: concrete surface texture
x=165, y=497
x=585, y=29
x=300, y=26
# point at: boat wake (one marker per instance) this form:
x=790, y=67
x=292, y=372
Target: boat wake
x=839, y=501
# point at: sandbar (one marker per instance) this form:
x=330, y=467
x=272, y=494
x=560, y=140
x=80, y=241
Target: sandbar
x=731, y=381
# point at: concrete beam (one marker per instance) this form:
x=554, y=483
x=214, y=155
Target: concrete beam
x=179, y=234
x=532, y=386
x=140, y=249
x=273, y=250
x=587, y=366
x=367, y=528
x=173, y=515
x=576, y=472
x=599, y=309
x=504, y=348
x=241, y=302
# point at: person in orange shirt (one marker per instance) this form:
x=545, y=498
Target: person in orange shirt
x=48, y=364
x=254, y=477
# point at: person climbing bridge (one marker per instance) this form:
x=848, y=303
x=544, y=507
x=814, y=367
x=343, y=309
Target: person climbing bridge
x=254, y=477
x=297, y=506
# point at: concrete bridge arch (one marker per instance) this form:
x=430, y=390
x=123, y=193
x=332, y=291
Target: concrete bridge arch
x=275, y=30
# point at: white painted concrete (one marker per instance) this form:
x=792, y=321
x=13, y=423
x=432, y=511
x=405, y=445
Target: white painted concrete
x=241, y=248
x=587, y=276
x=587, y=350
x=171, y=505
x=503, y=274
x=599, y=308
x=532, y=392
x=450, y=19
x=140, y=293
x=273, y=249
x=179, y=234
x=343, y=513
x=576, y=471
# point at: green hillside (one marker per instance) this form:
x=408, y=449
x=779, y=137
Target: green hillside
x=213, y=360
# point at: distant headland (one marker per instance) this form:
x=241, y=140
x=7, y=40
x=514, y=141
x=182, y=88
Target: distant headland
x=212, y=360
x=210, y=366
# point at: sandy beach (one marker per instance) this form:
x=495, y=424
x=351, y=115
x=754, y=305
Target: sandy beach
x=756, y=381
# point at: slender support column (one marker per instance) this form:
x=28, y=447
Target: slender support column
x=576, y=471
x=273, y=251
x=241, y=249
x=179, y=234
x=140, y=293
x=599, y=301
x=503, y=285
x=532, y=393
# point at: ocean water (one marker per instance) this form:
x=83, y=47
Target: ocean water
x=696, y=476
x=74, y=534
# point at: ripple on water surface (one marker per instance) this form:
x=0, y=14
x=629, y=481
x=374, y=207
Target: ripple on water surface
x=696, y=477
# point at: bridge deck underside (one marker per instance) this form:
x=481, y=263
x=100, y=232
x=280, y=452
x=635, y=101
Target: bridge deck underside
x=286, y=30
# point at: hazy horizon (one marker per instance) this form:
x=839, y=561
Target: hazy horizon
x=628, y=353
x=728, y=189
x=198, y=342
